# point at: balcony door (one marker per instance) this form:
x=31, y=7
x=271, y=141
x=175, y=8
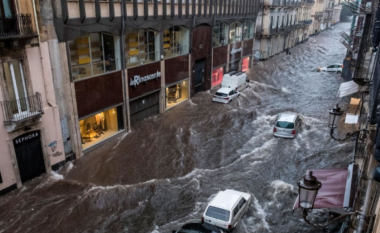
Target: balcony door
x=16, y=88
x=6, y=9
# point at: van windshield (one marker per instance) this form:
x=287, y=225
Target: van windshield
x=221, y=94
x=285, y=124
x=218, y=213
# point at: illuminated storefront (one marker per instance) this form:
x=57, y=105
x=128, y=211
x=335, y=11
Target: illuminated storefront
x=245, y=64
x=177, y=93
x=217, y=76
x=100, y=126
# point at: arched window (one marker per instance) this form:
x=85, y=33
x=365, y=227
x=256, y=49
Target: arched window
x=235, y=34
x=176, y=41
x=142, y=47
x=219, y=34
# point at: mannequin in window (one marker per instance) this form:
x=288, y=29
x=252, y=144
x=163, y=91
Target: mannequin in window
x=177, y=90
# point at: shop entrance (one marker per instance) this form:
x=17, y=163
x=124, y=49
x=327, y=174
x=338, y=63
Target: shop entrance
x=144, y=107
x=199, y=75
x=30, y=158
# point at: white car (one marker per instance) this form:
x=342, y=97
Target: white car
x=227, y=208
x=225, y=95
x=332, y=68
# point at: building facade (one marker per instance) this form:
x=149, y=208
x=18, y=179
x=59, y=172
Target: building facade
x=31, y=139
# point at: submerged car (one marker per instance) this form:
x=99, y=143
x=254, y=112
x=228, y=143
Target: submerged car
x=332, y=68
x=287, y=125
x=198, y=228
x=225, y=95
x=227, y=208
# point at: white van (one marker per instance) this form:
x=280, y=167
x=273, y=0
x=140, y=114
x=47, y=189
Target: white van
x=235, y=80
x=227, y=208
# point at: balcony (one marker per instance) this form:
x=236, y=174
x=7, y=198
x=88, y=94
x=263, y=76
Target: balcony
x=19, y=26
x=272, y=3
x=329, y=9
x=273, y=31
x=310, y=2
x=318, y=15
x=22, y=112
x=307, y=22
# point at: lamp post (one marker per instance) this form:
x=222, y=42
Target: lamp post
x=334, y=116
x=308, y=190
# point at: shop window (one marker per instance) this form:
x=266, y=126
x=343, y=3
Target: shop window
x=142, y=47
x=219, y=35
x=94, y=54
x=177, y=93
x=217, y=76
x=100, y=126
x=249, y=29
x=235, y=32
x=246, y=64
x=176, y=41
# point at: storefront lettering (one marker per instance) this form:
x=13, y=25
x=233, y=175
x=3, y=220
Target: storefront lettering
x=25, y=138
x=137, y=79
x=233, y=51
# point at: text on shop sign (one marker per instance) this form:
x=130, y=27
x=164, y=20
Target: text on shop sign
x=25, y=138
x=137, y=79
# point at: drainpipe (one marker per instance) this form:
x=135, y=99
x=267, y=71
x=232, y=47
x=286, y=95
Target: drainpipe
x=41, y=58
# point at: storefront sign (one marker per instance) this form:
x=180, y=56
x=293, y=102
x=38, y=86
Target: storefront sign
x=26, y=137
x=137, y=79
x=233, y=51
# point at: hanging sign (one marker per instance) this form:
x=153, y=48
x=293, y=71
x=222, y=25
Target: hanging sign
x=137, y=79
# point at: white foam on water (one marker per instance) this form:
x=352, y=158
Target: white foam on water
x=192, y=103
x=281, y=187
x=262, y=213
x=285, y=90
x=121, y=138
x=56, y=176
x=70, y=166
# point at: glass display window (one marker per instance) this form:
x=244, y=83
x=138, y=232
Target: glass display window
x=176, y=41
x=142, y=47
x=249, y=29
x=219, y=34
x=235, y=33
x=246, y=64
x=94, y=54
x=177, y=93
x=100, y=126
x=217, y=76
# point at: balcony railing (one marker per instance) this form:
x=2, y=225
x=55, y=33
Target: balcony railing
x=307, y=22
x=16, y=26
x=22, y=109
x=273, y=31
x=318, y=14
x=310, y=2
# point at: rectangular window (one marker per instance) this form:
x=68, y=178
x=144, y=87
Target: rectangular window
x=100, y=126
x=142, y=47
x=218, y=213
x=15, y=86
x=249, y=29
x=176, y=41
x=235, y=32
x=219, y=35
x=217, y=76
x=94, y=54
x=177, y=93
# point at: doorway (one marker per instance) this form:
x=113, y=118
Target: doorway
x=30, y=158
x=199, y=74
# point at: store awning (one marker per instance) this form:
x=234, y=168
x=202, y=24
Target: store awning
x=337, y=189
x=347, y=88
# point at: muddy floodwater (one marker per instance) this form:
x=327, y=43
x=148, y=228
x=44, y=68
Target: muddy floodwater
x=163, y=173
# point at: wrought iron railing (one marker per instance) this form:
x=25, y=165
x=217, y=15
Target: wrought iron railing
x=307, y=22
x=16, y=26
x=318, y=14
x=22, y=109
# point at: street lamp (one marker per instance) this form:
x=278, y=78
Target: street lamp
x=308, y=190
x=335, y=115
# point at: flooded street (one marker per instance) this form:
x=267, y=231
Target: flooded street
x=162, y=173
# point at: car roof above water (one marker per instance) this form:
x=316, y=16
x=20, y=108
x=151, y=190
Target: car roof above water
x=224, y=90
x=225, y=199
x=288, y=117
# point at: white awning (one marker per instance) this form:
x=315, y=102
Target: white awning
x=347, y=88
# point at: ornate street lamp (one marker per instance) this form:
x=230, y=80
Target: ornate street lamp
x=308, y=190
x=334, y=116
